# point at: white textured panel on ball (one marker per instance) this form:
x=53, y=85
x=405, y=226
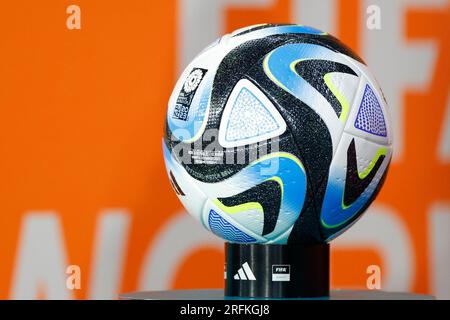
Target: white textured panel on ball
x=187, y=189
x=249, y=117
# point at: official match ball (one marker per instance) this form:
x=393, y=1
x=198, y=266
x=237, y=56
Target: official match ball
x=277, y=134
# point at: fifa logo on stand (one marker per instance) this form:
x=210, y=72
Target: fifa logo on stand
x=281, y=272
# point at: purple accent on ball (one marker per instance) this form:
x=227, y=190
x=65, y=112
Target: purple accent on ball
x=370, y=116
x=222, y=228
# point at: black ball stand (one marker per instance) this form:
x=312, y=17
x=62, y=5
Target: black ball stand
x=277, y=271
x=258, y=271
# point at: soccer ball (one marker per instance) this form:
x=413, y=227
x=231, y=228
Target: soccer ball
x=277, y=134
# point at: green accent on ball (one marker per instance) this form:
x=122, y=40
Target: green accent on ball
x=280, y=182
x=256, y=205
x=342, y=100
x=239, y=208
x=382, y=151
x=270, y=74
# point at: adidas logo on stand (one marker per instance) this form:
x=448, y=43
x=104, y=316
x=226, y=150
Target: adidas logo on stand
x=244, y=273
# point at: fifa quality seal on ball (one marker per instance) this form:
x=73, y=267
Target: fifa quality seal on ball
x=277, y=136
